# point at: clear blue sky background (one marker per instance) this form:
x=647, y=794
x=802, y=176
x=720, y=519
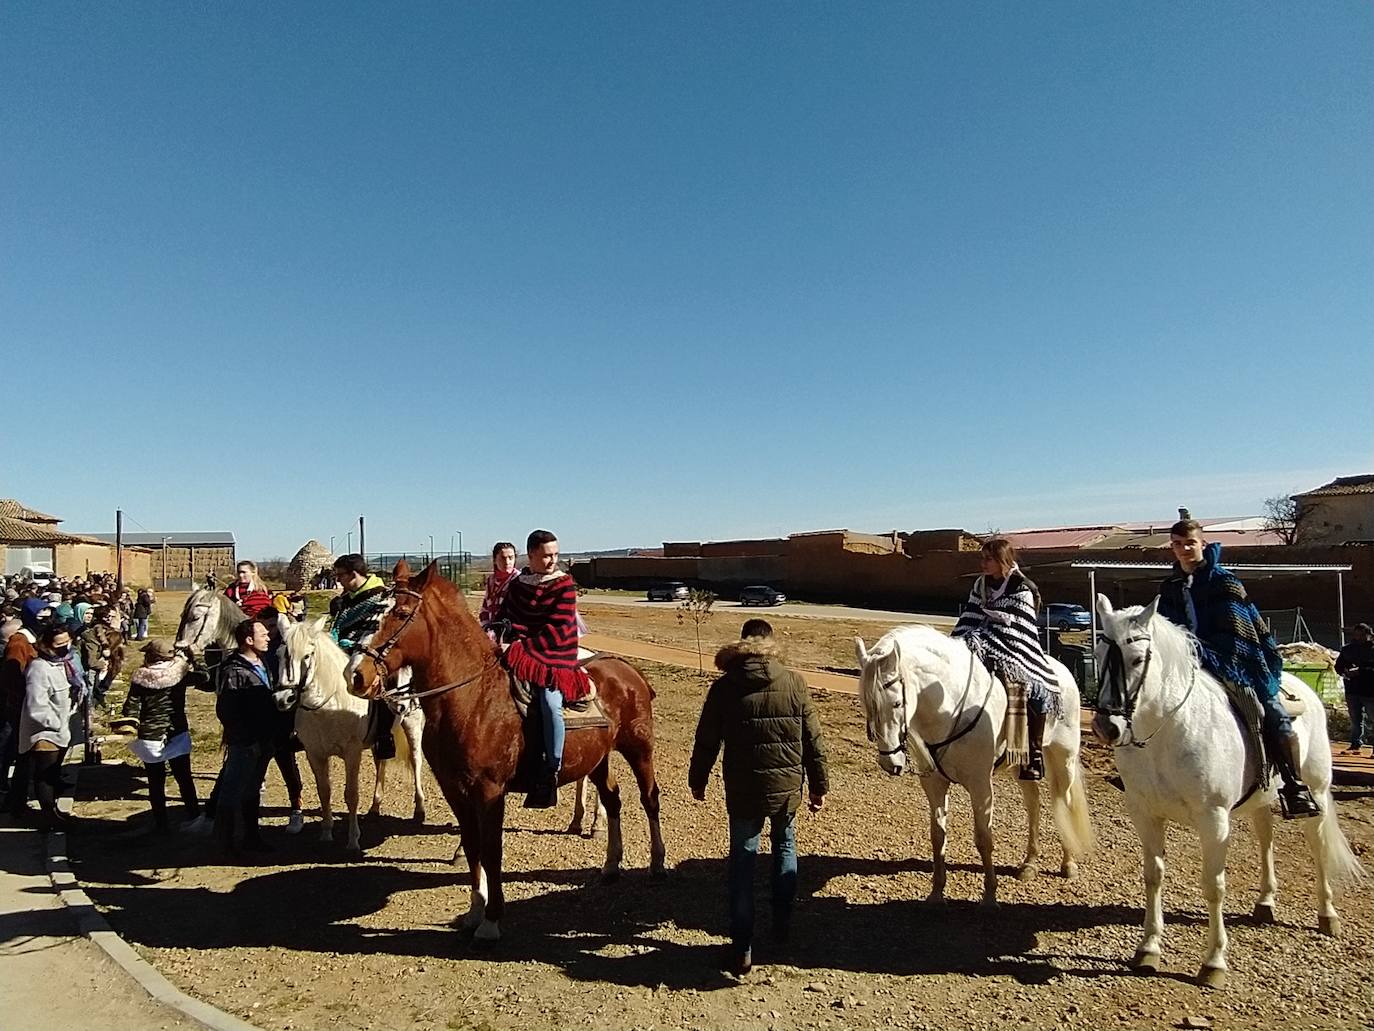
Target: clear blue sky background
x=644, y=272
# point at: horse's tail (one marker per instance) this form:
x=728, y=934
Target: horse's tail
x=1071, y=818
x=1337, y=856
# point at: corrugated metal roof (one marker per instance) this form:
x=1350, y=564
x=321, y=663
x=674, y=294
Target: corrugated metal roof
x=1362, y=484
x=208, y=539
x=12, y=509
x=1226, y=538
x=1063, y=537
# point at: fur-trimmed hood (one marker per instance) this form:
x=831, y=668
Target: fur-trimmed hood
x=736, y=653
x=158, y=676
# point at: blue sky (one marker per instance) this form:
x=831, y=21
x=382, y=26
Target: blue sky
x=644, y=272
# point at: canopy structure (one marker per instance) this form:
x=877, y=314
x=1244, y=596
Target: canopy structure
x=1154, y=569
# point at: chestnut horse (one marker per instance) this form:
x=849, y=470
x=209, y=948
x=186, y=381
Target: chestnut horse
x=430, y=647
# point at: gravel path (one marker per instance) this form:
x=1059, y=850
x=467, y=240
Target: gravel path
x=311, y=939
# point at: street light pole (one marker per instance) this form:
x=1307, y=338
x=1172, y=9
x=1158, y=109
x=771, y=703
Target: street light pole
x=331, y=544
x=164, y=563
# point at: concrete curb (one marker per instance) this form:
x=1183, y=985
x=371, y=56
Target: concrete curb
x=95, y=927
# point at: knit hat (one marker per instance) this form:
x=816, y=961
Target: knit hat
x=159, y=649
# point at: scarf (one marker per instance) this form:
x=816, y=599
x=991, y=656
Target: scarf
x=542, y=612
x=359, y=613
x=497, y=584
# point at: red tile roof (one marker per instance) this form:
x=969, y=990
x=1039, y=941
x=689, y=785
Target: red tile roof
x=1363, y=484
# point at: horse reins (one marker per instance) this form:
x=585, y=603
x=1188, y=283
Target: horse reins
x=1114, y=670
x=937, y=747
x=378, y=657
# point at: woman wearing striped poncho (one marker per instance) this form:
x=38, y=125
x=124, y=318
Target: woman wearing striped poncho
x=998, y=625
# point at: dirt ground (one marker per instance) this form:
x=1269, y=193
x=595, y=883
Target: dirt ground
x=311, y=939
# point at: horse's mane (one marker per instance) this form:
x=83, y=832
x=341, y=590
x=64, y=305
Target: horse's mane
x=908, y=639
x=330, y=659
x=1175, y=648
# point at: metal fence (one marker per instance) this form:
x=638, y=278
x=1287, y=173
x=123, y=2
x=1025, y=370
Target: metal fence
x=454, y=566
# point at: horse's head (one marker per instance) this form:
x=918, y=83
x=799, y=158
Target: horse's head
x=298, y=663
x=887, y=701
x=380, y=657
x=200, y=621
x=1124, y=649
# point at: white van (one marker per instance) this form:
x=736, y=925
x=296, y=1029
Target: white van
x=38, y=574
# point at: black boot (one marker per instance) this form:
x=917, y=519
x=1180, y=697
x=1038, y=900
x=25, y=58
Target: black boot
x=384, y=747
x=544, y=795
x=1034, y=769
x=1295, y=800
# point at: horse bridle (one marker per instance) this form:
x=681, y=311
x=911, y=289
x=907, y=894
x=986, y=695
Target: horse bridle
x=378, y=657
x=1114, y=673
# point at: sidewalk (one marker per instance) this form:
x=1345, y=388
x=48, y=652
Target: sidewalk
x=51, y=977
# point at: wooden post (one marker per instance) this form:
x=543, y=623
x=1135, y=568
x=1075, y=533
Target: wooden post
x=119, y=550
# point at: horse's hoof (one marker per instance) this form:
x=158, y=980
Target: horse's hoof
x=418, y=818
x=470, y=920
x=487, y=931
x=1069, y=871
x=1145, y=963
x=1027, y=872
x=1264, y=913
x=1329, y=926
x=936, y=902
x=1212, y=977
x=376, y=810
x=988, y=905
x=610, y=876
x=658, y=873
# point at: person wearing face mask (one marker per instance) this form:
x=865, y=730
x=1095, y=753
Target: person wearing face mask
x=998, y=624
x=20, y=651
x=53, y=684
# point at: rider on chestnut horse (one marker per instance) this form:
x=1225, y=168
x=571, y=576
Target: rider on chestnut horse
x=541, y=609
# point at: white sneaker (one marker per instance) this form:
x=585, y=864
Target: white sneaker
x=201, y=825
x=296, y=823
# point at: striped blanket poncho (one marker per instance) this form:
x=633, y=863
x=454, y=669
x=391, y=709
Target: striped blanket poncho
x=998, y=624
x=358, y=614
x=542, y=612
x=1234, y=642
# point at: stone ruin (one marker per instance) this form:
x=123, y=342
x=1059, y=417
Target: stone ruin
x=307, y=564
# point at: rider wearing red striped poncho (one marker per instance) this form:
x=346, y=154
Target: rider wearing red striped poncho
x=541, y=608
x=998, y=624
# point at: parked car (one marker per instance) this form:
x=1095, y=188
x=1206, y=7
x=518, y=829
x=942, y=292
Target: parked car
x=38, y=574
x=760, y=594
x=674, y=590
x=1063, y=616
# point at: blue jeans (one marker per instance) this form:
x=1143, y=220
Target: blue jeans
x=139, y=626
x=1277, y=723
x=744, y=846
x=551, y=723
x=1361, y=707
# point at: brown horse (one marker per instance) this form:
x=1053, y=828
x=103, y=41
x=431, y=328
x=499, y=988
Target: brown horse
x=473, y=737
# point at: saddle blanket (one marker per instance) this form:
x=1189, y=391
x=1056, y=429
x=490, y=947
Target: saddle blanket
x=578, y=715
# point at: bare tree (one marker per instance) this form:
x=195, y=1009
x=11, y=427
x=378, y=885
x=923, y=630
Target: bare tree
x=697, y=610
x=1285, y=517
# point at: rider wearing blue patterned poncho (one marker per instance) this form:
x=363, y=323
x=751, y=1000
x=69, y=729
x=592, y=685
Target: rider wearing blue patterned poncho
x=1234, y=645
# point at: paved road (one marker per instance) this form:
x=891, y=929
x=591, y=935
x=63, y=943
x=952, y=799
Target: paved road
x=50, y=976
x=789, y=609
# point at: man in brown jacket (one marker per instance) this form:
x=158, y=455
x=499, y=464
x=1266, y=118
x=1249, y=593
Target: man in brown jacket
x=761, y=712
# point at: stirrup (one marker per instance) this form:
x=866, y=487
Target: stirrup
x=1296, y=802
x=1034, y=769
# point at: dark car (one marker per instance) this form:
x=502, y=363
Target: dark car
x=760, y=594
x=1063, y=616
x=674, y=590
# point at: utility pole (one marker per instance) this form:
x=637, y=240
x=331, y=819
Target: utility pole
x=119, y=549
x=431, y=547
x=362, y=537
x=331, y=544
x=164, y=565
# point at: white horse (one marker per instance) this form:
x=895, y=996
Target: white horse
x=1184, y=758
x=330, y=721
x=926, y=694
